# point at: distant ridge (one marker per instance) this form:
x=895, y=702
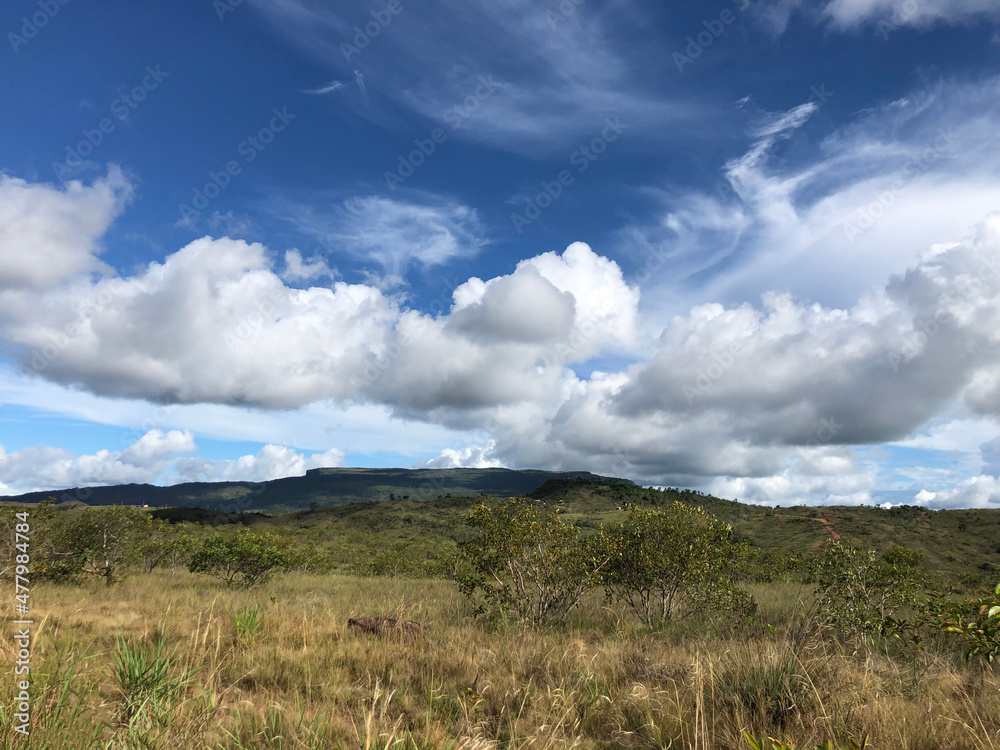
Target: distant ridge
x=319, y=487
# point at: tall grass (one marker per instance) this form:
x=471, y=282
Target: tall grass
x=104, y=657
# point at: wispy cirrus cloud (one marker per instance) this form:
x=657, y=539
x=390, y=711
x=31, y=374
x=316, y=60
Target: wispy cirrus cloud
x=558, y=79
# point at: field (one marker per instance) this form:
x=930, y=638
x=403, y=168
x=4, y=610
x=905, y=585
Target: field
x=304, y=680
x=160, y=657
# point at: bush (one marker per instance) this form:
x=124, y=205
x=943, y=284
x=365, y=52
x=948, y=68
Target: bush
x=107, y=539
x=244, y=560
x=863, y=593
x=671, y=561
x=524, y=562
x=977, y=623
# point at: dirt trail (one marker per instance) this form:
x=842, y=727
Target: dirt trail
x=921, y=520
x=826, y=525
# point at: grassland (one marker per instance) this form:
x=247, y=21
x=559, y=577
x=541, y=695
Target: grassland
x=278, y=667
x=304, y=680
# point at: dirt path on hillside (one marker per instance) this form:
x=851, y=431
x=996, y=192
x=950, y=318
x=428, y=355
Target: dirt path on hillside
x=826, y=525
x=920, y=519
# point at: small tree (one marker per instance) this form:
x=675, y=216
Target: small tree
x=671, y=561
x=244, y=560
x=862, y=592
x=525, y=562
x=166, y=543
x=108, y=538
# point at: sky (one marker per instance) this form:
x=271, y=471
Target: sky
x=749, y=247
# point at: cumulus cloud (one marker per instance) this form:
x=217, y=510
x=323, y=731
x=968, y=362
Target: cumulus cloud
x=44, y=468
x=977, y=492
x=297, y=269
x=470, y=457
x=211, y=323
x=270, y=462
x=760, y=394
x=49, y=234
x=156, y=457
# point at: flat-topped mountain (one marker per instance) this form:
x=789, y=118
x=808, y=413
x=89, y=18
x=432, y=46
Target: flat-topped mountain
x=319, y=488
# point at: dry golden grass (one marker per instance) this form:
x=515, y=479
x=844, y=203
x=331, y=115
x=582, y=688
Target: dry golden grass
x=305, y=681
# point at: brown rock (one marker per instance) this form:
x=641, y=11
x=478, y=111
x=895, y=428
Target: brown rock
x=387, y=627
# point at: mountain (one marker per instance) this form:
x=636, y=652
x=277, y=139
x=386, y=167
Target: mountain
x=320, y=488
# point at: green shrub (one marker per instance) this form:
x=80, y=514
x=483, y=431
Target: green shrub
x=244, y=560
x=524, y=562
x=863, y=593
x=977, y=623
x=671, y=561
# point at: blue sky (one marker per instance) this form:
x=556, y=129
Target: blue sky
x=750, y=247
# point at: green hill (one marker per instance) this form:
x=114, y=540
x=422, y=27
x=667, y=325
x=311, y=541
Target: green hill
x=319, y=487
x=418, y=514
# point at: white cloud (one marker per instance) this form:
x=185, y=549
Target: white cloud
x=470, y=457
x=45, y=468
x=920, y=13
x=887, y=15
x=977, y=492
x=157, y=456
x=395, y=234
x=271, y=462
x=845, y=213
x=49, y=234
x=297, y=269
x=555, y=73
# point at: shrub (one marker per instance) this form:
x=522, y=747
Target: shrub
x=524, y=562
x=863, y=592
x=244, y=560
x=977, y=623
x=107, y=539
x=670, y=561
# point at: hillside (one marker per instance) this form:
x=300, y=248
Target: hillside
x=415, y=516
x=955, y=542
x=318, y=488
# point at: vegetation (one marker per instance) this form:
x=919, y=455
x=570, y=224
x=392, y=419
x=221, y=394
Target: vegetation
x=671, y=561
x=247, y=559
x=587, y=616
x=525, y=562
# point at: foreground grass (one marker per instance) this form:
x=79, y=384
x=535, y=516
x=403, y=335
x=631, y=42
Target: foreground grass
x=291, y=675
